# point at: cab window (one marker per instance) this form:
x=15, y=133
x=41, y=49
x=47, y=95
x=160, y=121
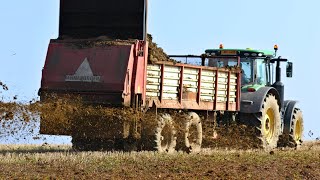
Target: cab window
x=261, y=72
x=222, y=62
x=246, y=65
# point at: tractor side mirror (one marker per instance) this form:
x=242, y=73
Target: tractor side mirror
x=289, y=69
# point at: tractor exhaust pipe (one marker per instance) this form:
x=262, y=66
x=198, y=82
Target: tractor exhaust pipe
x=278, y=85
x=278, y=72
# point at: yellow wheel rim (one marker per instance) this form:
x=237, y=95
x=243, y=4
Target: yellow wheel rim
x=298, y=130
x=269, y=125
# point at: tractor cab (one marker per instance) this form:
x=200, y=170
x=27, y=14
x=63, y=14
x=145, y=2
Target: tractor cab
x=257, y=65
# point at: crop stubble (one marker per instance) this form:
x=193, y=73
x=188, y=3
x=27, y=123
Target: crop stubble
x=62, y=163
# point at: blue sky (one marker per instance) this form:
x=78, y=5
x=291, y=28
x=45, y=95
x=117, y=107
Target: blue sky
x=180, y=27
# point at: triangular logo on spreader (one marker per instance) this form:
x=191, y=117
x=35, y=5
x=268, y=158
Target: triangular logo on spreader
x=84, y=69
x=83, y=74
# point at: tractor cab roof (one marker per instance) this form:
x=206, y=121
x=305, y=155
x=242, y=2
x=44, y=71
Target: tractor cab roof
x=240, y=52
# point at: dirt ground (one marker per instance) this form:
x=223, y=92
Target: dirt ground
x=59, y=162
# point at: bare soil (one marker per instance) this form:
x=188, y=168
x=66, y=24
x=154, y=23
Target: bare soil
x=45, y=162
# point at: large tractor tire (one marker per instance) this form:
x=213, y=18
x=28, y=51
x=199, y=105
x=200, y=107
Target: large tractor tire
x=193, y=133
x=165, y=134
x=269, y=123
x=296, y=131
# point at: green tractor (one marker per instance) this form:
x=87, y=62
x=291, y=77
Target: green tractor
x=279, y=122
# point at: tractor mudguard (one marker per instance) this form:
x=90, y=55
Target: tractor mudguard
x=251, y=102
x=289, y=107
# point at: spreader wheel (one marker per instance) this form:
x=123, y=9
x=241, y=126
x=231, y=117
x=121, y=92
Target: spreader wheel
x=165, y=134
x=193, y=133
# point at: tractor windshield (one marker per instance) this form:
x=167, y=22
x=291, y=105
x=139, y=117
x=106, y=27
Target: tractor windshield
x=254, y=71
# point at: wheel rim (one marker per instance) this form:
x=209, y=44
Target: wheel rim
x=269, y=125
x=298, y=130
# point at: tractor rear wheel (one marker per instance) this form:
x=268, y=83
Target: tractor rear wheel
x=193, y=133
x=296, y=131
x=165, y=134
x=269, y=123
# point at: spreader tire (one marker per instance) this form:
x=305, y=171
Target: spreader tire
x=165, y=134
x=193, y=136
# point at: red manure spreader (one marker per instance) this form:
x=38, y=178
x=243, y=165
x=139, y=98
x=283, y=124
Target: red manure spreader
x=102, y=55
